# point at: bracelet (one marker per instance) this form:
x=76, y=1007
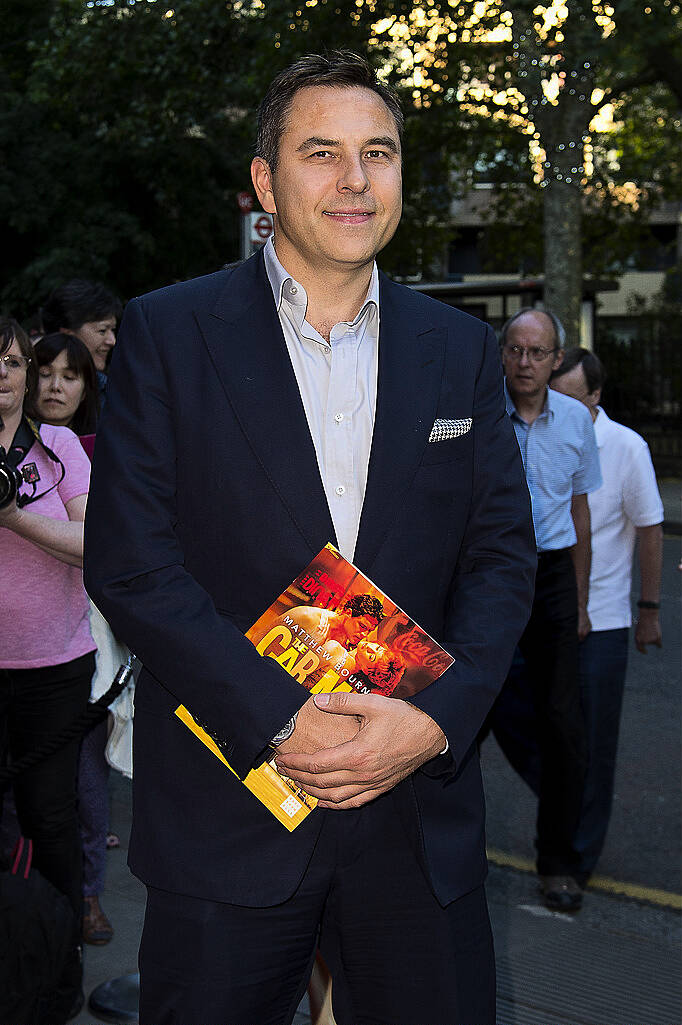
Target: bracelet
x=648, y=604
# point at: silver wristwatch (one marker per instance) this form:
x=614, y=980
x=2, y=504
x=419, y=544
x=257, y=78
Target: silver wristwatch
x=285, y=732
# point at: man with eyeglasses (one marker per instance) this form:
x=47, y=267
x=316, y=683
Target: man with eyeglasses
x=561, y=460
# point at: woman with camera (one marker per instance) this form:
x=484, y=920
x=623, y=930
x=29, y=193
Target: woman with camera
x=46, y=649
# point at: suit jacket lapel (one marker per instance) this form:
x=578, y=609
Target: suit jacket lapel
x=244, y=337
x=411, y=356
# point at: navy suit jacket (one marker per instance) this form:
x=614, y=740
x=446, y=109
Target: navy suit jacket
x=206, y=501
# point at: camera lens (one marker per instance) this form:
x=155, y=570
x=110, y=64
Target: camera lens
x=10, y=482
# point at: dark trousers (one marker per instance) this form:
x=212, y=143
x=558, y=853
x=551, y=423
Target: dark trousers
x=549, y=647
x=34, y=705
x=603, y=663
x=395, y=955
x=93, y=807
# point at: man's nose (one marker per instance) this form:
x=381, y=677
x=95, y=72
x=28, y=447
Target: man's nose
x=110, y=339
x=354, y=176
x=4, y=372
x=523, y=356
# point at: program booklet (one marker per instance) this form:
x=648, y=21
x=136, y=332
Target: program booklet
x=332, y=630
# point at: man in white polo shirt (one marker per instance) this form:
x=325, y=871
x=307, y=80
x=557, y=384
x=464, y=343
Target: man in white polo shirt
x=626, y=507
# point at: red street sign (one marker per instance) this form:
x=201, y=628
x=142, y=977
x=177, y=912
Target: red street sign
x=245, y=202
x=263, y=227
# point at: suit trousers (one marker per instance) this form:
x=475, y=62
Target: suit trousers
x=549, y=646
x=396, y=956
x=603, y=665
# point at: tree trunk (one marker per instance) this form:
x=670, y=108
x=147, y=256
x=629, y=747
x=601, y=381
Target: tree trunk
x=563, y=255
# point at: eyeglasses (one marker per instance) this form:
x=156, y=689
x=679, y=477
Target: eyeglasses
x=13, y=364
x=534, y=352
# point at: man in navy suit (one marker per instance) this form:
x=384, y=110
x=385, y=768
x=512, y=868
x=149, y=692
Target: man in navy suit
x=253, y=415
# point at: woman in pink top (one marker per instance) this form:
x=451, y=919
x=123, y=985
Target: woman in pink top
x=46, y=650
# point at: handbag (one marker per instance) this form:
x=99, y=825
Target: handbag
x=41, y=969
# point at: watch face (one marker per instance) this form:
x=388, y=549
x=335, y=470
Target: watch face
x=284, y=733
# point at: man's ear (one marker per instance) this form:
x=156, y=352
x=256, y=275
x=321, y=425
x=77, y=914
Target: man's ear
x=261, y=176
x=558, y=360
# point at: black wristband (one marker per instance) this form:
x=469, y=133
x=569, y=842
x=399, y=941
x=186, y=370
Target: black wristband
x=648, y=604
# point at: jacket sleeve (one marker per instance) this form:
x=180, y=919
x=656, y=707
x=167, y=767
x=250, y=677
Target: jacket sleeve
x=134, y=564
x=491, y=591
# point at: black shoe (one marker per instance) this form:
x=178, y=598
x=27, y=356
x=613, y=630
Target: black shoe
x=561, y=893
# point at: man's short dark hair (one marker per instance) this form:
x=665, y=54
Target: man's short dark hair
x=337, y=68
x=76, y=303
x=364, y=605
x=559, y=330
x=593, y=368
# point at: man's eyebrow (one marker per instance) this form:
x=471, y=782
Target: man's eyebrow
x=383, y=140
x=380, y=140
x=315, y=140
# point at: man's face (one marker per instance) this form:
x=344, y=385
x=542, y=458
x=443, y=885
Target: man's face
x=532, y=334
x=358, y=627
x=98, y=336
x=336, y=193
x=574, y=383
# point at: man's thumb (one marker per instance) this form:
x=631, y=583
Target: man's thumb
x=341, y=703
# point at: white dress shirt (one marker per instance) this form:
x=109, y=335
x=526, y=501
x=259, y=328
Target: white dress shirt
x=338, y=385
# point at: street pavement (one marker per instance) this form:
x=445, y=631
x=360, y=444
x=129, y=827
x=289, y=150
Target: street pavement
x=617, y=962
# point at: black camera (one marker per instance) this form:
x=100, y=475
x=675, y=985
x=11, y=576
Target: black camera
x=10, y=480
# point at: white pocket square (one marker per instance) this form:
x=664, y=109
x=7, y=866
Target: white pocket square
x=445, y=430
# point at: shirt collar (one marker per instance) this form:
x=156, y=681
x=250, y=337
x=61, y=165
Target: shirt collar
x=285, y=288
x=601, y=426
x=547, y=410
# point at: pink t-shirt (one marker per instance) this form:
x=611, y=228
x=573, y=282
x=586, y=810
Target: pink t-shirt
x=43, y=605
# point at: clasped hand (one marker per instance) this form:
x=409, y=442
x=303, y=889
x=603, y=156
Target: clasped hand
x=391, y=740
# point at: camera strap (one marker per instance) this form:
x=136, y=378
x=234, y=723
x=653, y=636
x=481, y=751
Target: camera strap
x=22, y=443
x=26, y=435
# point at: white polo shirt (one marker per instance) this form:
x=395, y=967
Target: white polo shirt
x=628, y=498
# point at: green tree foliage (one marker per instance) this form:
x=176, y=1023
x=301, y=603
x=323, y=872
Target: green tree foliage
x=584, y=186
x=127, y=129
x=118, y=139
x=126, y=126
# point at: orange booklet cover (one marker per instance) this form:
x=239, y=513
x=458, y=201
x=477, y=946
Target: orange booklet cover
x=331, y=630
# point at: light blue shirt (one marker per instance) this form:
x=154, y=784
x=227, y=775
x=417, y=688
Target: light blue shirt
x=338, y=385
x=561, y=459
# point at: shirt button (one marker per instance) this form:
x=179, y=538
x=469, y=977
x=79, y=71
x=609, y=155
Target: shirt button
x=293, y=290
x=340, y=490
x=338, y=417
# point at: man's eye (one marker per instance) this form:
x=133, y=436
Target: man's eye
x=376, y=153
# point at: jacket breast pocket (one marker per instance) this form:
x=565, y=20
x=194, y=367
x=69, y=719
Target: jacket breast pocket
x=452, y=450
